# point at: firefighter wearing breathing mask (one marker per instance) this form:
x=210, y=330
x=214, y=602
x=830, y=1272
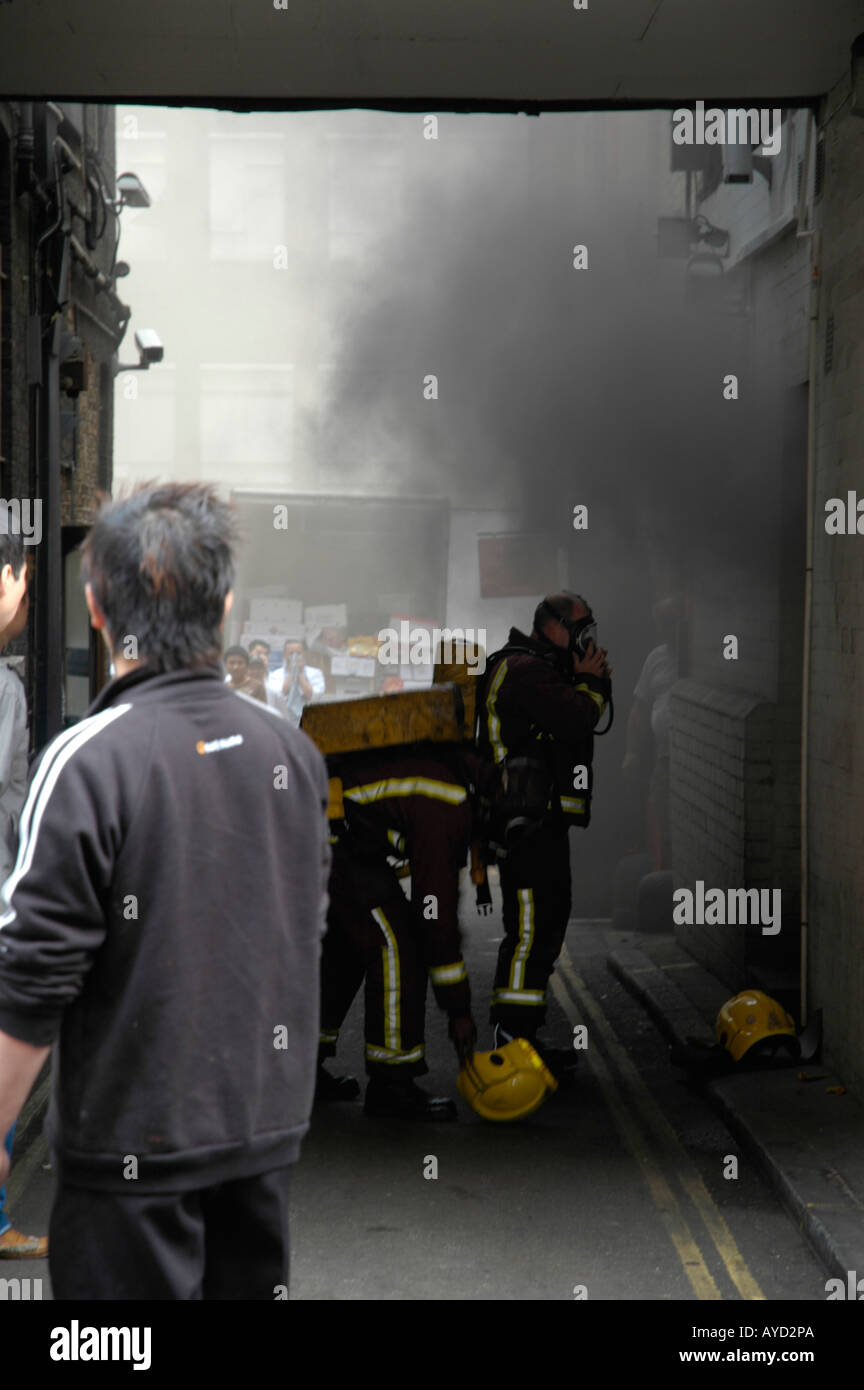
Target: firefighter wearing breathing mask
x=538, y=709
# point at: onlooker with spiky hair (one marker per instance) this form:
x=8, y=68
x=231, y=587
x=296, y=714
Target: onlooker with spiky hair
x=163, y=924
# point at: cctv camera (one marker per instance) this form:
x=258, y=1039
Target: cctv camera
x=149, y=345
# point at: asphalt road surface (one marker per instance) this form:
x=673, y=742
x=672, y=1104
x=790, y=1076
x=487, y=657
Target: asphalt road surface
x=614, y=1189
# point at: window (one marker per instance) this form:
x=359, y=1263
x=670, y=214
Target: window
x=247, y=200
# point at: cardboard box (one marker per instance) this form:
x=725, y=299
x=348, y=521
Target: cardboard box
x=347, y=688
x=278, y=612
x=326, y=615
x=353, y=666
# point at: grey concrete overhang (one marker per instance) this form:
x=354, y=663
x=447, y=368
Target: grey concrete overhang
x=382, y=52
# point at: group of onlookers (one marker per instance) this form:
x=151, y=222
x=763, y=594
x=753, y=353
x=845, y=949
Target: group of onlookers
x=287, y=689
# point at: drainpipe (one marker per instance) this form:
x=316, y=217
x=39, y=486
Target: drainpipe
x=808, y=611
x=51, y=720
x=48, y=701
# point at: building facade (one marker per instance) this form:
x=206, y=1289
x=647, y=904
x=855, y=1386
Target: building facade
x=765, y=747
x=61, y=324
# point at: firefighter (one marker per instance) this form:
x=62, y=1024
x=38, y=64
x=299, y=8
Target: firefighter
x=408, y=803
x=541, y=700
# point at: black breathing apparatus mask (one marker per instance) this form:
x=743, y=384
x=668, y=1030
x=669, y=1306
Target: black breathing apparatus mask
x=582, y=633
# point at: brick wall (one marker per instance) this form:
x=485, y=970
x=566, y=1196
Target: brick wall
x=724, y=822
x=79, y=488
x=836, y=727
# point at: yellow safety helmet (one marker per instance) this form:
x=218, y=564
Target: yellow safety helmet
x=752, y=1017
x=507, y=1083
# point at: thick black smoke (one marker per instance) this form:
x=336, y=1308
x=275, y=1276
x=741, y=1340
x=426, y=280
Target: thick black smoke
x=557, y=386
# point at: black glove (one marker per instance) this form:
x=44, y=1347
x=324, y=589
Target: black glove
x=484, y=898
x=462, y=1031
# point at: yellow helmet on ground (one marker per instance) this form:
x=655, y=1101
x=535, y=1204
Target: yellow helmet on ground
x=753, y=1017
x=507, y=1083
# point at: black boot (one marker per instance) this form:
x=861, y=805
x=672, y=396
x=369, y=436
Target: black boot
x=329, y=1087
x=561, y=1061
x=404, y=1100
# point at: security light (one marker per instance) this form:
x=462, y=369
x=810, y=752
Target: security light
x=132, y=192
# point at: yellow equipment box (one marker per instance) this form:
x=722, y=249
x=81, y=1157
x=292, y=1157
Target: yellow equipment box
x=336, y=806
x=383, y=721
x=466, y=679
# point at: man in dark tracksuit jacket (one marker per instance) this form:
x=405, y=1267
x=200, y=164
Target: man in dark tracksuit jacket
x=403, y=804
x=540, y=701
x=163, y=922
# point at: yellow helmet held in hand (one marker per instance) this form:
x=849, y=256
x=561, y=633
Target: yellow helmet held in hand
x=507, y=1083
x=752, y=1017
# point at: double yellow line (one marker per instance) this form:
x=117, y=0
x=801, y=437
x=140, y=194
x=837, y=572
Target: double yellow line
x=654, y=1144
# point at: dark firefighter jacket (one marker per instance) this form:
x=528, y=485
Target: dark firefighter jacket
x=164, y=919
x=533, y=705
x=415, y=804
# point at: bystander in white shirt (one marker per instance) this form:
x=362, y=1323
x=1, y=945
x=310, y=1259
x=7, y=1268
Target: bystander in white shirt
x=294, y=697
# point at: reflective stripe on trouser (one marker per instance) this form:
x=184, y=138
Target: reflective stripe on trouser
x=371, y=931
x=535, y=888
x=448, y=974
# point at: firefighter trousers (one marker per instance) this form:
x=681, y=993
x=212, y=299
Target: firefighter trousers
x=535, y=887
x=371, y=932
